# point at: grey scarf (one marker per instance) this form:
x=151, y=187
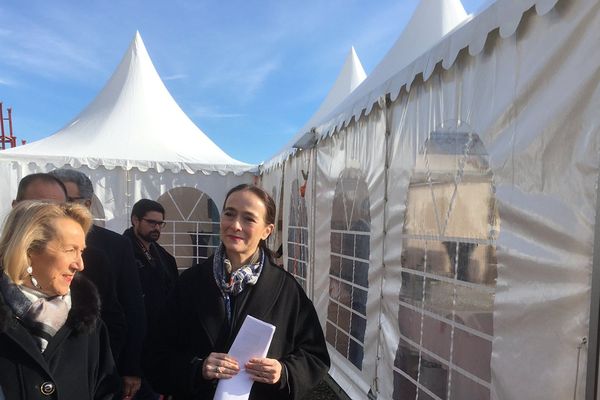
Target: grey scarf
x=40, y=314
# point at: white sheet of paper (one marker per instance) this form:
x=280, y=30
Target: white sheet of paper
x=253, y=340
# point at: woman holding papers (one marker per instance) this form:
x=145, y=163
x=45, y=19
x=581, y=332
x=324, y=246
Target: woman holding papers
x=212, y=300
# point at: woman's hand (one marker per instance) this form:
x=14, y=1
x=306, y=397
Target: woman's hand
x=265, y=370
x=219, y=366
x=131, y=384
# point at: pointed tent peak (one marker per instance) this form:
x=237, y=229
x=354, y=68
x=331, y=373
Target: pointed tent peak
x=355, y=66
x=134, y=122
x=350, y=76
x=138, y=44
x=431, y=20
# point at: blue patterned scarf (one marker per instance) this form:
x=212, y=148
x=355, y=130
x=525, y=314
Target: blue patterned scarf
x=232, y=283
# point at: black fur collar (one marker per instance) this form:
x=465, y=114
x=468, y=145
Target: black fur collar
x=84, y=313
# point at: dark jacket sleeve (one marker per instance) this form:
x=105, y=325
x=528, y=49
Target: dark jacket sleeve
x=129, y=292
x=107, y=377
x=97, y=269
x=298, y=344
x=309, y=362
x=175, y=354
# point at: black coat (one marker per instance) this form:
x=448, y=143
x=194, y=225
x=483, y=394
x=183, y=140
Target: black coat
x=97, y=269
x=129, y=294
x=157, y=278
x=77, y=364
x=197, y=325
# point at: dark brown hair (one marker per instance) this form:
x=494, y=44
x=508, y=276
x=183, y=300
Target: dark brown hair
x=37, y=177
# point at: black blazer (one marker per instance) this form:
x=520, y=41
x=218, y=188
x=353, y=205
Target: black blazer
x=97, y=269
x=77, y=364
x=157, y=279
x=197, y=325
x=129, y=294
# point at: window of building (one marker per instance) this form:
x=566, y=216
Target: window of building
x=448, y=273
x=192, y=230
x=349, y=270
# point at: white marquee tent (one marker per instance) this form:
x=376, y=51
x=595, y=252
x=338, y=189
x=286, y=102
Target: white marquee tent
x=446, y=232
x=350, y=76
x=134, y=141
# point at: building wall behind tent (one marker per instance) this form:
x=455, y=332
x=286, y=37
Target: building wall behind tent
x=192, y=202
x=480, y=187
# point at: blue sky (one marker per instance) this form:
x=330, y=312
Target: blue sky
x=248, y=73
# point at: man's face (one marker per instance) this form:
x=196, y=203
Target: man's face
x=148, y=227
x=47, y=191
x=73, y=194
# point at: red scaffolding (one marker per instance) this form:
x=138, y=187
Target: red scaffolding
x=4, y=139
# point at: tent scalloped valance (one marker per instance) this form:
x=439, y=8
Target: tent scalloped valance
x=505, y=15
x=143, y=166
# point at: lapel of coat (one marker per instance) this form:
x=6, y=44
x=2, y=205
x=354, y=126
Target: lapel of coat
x=17, y=333
x=56, y=341
x=209, y=305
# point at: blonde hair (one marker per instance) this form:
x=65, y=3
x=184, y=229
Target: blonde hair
x=29, y=227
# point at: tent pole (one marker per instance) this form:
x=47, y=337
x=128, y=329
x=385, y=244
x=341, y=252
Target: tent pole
x=127, y=197
x=591, y=384
x=384, y=103
x=313, y=206
x=2, y=135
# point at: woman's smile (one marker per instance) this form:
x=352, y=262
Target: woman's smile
x=243, y=226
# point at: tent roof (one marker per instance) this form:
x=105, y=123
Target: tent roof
x=431, y=20
x=350, y=76
x=403, y=63
x=133, y=123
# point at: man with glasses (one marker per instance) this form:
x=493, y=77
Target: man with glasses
x=123, y=270
x=156, y=267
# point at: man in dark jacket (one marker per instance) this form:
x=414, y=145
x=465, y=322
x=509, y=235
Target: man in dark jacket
x=122, y=267
x=156, y=267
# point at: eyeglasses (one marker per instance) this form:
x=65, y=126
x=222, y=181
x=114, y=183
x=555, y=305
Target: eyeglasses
x=154, y=222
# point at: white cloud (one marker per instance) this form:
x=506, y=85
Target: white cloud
x=202, y=111
x=244, y=80
x=174, y=77
x=7, y=82
x=45, y=49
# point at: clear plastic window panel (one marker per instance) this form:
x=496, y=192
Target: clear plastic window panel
x=448, y=265
x=349, y=268
x=297, y=246
x=191, y=234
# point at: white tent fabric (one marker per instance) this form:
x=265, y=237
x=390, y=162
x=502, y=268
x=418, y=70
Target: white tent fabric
x=482, y=196
x=350, y=76
x=132, y=123
x=431, y=20
x=134, y=142
x=502, y=15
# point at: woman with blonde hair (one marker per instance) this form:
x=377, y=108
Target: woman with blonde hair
x=52, y=341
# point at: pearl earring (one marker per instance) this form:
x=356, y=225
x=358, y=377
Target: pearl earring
x=34, y=281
